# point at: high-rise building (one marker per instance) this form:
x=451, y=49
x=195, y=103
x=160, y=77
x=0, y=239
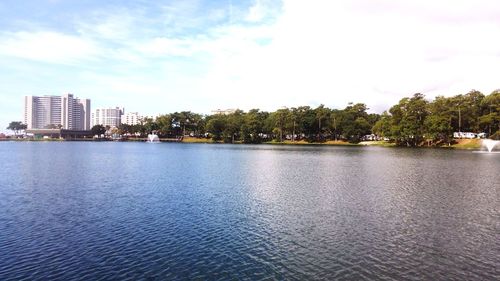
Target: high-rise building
x=65, y=112
x=107, y=116
x=132, y=118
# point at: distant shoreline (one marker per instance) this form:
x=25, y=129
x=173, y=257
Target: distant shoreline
x=462, y=144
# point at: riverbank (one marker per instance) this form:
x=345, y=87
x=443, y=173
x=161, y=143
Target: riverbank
x=467, y=144
x=286, y=142
x=303, y=142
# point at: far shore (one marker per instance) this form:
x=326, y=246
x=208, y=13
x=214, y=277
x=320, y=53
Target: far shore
x=468, y=144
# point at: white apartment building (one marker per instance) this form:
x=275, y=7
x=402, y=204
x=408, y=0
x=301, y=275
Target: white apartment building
x=108, y=117
x=65, y=112
x=131, y=118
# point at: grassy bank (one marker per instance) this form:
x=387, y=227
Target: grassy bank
x=378, y=143
x=303, y=142
x=197, y=140
x=35, y=139
x=286, y=142
x=467, y=144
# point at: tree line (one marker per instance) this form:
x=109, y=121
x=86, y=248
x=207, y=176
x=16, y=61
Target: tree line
x=411, y=122
x=415, y=120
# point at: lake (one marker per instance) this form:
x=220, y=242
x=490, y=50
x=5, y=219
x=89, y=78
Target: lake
x=129, y=211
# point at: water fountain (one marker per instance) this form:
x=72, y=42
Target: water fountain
x=490, y=144
x=153, y=138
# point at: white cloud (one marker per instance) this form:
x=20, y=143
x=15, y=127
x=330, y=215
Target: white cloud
x=162, y=46
x=46, y=46
x=305, y=53
x=328, y=52
x=116, y=26
x=256, y=12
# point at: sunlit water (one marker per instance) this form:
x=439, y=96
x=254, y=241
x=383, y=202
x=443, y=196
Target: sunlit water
x=128, y=211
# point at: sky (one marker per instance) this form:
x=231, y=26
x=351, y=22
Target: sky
x=164, y=56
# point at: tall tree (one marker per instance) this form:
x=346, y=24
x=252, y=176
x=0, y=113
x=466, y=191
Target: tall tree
x=490, y=120
x=438, y=124
x=16, y=126
x=253, y=126
x=216, y=126
x=383, y=126
x=164, y=124
x=408, y=119
x=322, y=114
x=149, y=126
x=335, y=121
x=234, y=121
x=293, y=117
x=98, y=130
x=354, y=122
x=280, y=118
x=467, y=111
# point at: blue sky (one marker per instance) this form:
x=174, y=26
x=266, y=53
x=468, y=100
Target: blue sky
x=164, y=56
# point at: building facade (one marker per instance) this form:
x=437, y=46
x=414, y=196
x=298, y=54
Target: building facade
x=51, y=112
x=131, y=118
x=108, y=117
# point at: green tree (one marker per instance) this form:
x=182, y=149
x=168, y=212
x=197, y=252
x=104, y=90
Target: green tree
x=16, y=126
x=234, y=122
x=490, y=120
x=408, y=120
x=164, y=123
x=467, y=111
x=253, y=126
x=354, y=123
x=279, y=119
x=438, y=124
x=372, y=118
x=335, y=121
x=322, y=114
x=125, y=129
x=216, y=126
x=148, y=126
x=138, y=129
x=184, y=122
x=98, y=130
x=196, y=124
x=383, y=126
x=293, y=121
x=307, y=122
x=300, y=121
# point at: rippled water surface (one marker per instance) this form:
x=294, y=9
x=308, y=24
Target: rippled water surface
x=128, y=211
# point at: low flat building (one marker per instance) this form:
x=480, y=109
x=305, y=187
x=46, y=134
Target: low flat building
x=223, y=111
x=59, y=133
